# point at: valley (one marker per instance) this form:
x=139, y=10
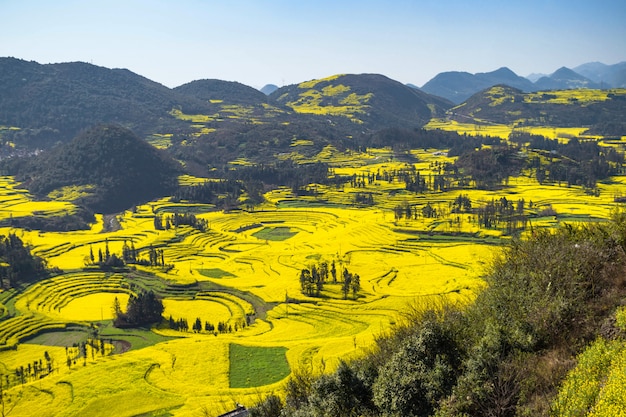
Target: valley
x=286, y=236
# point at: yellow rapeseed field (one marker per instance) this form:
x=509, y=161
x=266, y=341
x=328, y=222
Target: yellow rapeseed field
x=401, y=263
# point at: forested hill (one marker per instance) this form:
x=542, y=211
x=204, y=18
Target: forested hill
x=218, y=91
x=602, y=111
x=109, y=168
x=372, y=100
x=41, y=105
x=54, y=102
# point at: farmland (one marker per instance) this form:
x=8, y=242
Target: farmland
x=243, y=274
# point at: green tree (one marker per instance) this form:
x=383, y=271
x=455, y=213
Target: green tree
x=418, y=375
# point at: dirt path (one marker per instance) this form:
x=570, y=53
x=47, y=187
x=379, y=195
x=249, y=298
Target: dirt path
x=111, y=224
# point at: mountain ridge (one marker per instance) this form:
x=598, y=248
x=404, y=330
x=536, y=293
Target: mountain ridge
x=458, y=86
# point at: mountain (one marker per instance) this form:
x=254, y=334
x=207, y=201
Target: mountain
x=367, y=101
x=269, y=89
x=459, y=86
x=535, y=76
x=222, y=91
x=110, y=163
x=563, y=79
x=54, y=102
x=607, y=76
x=602, y=111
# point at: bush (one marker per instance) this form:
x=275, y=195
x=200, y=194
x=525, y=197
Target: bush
x=418, y=375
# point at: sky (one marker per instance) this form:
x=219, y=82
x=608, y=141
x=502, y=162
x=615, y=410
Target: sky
x=258, y=42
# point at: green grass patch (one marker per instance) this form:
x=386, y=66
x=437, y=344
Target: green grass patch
x=138, y=338
x=215, y=273
x=252, y=366
x=59, y=338
x=275, y=233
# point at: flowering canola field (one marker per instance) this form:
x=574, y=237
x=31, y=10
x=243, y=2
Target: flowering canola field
x=243, y=273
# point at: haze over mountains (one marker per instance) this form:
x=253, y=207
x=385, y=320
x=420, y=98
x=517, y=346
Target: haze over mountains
x=459, y=86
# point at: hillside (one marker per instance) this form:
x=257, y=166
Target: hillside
x=602, y=111
x=205, y=122
x=299, y=121
x=222, y=91
x=371, y=100
x=108, y=167
x=53, y=102
x=563, y=79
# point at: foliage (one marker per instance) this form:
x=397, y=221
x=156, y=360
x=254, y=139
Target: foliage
x=123, y=169
x=143, y=309
x=491, y=166
x=419, y=374
x=17, y=264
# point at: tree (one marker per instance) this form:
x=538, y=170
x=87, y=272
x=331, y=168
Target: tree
x=197, y=325
x=347, y=280
x=356, y=285
x=419, y=374
x=142, y=309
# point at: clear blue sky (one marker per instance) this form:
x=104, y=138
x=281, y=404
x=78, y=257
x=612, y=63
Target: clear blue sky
x=257, y=42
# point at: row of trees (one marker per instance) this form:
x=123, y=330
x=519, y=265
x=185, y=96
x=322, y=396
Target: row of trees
x=165, y=222
x=96, y=345
x=208, y=192
x=198, y=326
x=130, y=255
x=45, y=366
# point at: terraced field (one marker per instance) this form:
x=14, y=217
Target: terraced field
x=244, y=272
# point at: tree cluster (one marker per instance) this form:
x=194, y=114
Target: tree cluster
x=403, y=139
x=142, y=309
x=490, y=167
x=283, y=173
x=364, y=199
x=576, y=163
x=106, y=260
x=17, y=264
x=208, y=192
x=498, y=211
x=165, y=222
x=314, y=277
